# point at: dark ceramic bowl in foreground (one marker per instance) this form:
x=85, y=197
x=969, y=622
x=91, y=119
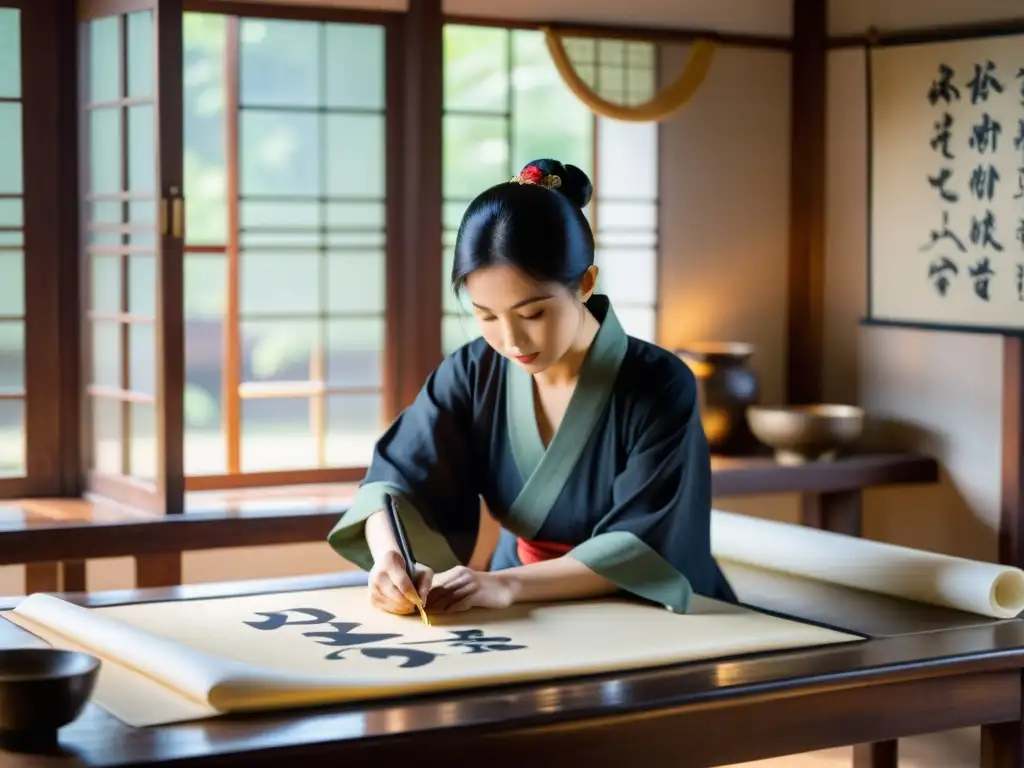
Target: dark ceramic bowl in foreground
x=43, y=689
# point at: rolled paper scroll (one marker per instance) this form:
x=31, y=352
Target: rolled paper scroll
x=988, y=589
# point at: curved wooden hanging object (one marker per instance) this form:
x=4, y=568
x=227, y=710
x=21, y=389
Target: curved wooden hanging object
x=667, y=101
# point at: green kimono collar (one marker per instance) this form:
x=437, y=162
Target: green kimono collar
x=545, y=471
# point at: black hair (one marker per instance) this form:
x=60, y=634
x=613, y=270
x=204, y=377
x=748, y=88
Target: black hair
x=537, y=227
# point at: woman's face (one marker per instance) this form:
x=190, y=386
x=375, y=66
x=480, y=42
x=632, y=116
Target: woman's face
x=533, y=324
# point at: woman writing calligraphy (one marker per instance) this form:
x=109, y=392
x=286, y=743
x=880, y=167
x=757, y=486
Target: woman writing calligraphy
x=585, y=443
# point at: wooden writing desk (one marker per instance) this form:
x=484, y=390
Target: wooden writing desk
x=922, y=670
x=47, y=534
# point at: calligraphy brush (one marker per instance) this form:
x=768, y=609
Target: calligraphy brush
x=406, y=550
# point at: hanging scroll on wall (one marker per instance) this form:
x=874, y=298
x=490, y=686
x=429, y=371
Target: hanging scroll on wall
x=946, y=145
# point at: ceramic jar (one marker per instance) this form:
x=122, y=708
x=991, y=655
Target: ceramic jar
x=727, y=385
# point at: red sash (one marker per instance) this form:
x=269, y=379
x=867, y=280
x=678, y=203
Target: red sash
x=537, y=551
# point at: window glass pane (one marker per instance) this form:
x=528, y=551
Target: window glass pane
x=279, y=283
x=11, y=158
x=457, y=330
x=640, y=322
x=12, y=283
x=107, y=432
x=279, y=63
x=354, y=353
x=104, y=60
x=639, y=56
x=203, y=108
x=10, y=53
x=141, y=54
x=628, y=276
x=142, y=285
x=12, y=356
x=625, y=239
x=143, y=447
x=476, y=68
x=617, y=217
x=12, y=438
x=11, y=214
x=105, y=283
x=279, y=350
x=142, y=358
x=279, y=153
x=142, y=219
x=627, y=156
x=106, y=354
x=354, y=215
x=288, y=214
x=475, y=155
x=547, y=119
x=354, y=423
x=641, y=85
x=355, y=156
x=355, y=66
x=141, y=150
x=205, y=285
x=278, y=433
x=611, y=82
x=297, y=240
x=105, y=150
x=205, y=293
x=356, y=283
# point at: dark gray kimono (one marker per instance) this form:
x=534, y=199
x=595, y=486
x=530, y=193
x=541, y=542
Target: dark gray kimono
x=626, y=481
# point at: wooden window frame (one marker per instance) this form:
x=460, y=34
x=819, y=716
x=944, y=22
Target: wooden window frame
x=55, y=434
x=232, y=387
x=601, y=195
x=16, y=483
x=49, y=197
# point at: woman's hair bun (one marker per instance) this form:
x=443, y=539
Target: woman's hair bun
x=572, y=181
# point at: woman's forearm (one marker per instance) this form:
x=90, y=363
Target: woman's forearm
x=379, y=537
x=562, y=578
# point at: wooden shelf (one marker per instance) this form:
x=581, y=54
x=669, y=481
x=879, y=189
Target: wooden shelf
x=43, y=533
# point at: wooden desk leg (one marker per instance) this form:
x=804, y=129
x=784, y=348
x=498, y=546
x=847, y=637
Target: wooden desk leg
x=1002, y=745
x=839, y=512
x=42, y=577
x=158, y=571
x=881, y=754
x=73, y=576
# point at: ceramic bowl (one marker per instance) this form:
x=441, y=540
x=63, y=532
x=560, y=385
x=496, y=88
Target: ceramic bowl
x=802, y=433
x=43, y=689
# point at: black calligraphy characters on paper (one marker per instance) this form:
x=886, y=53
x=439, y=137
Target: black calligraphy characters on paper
x=983, y=181
x=938, y=235
x=941, y=272
x=943, y=135
x=985, y=134
x=942, y=269
x=1018, y=144
x=982, y=232
x=983, y=82
x=344, y=638
x=981, y=273
x=980, y=243
x=939, y=181
x=942, y=88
